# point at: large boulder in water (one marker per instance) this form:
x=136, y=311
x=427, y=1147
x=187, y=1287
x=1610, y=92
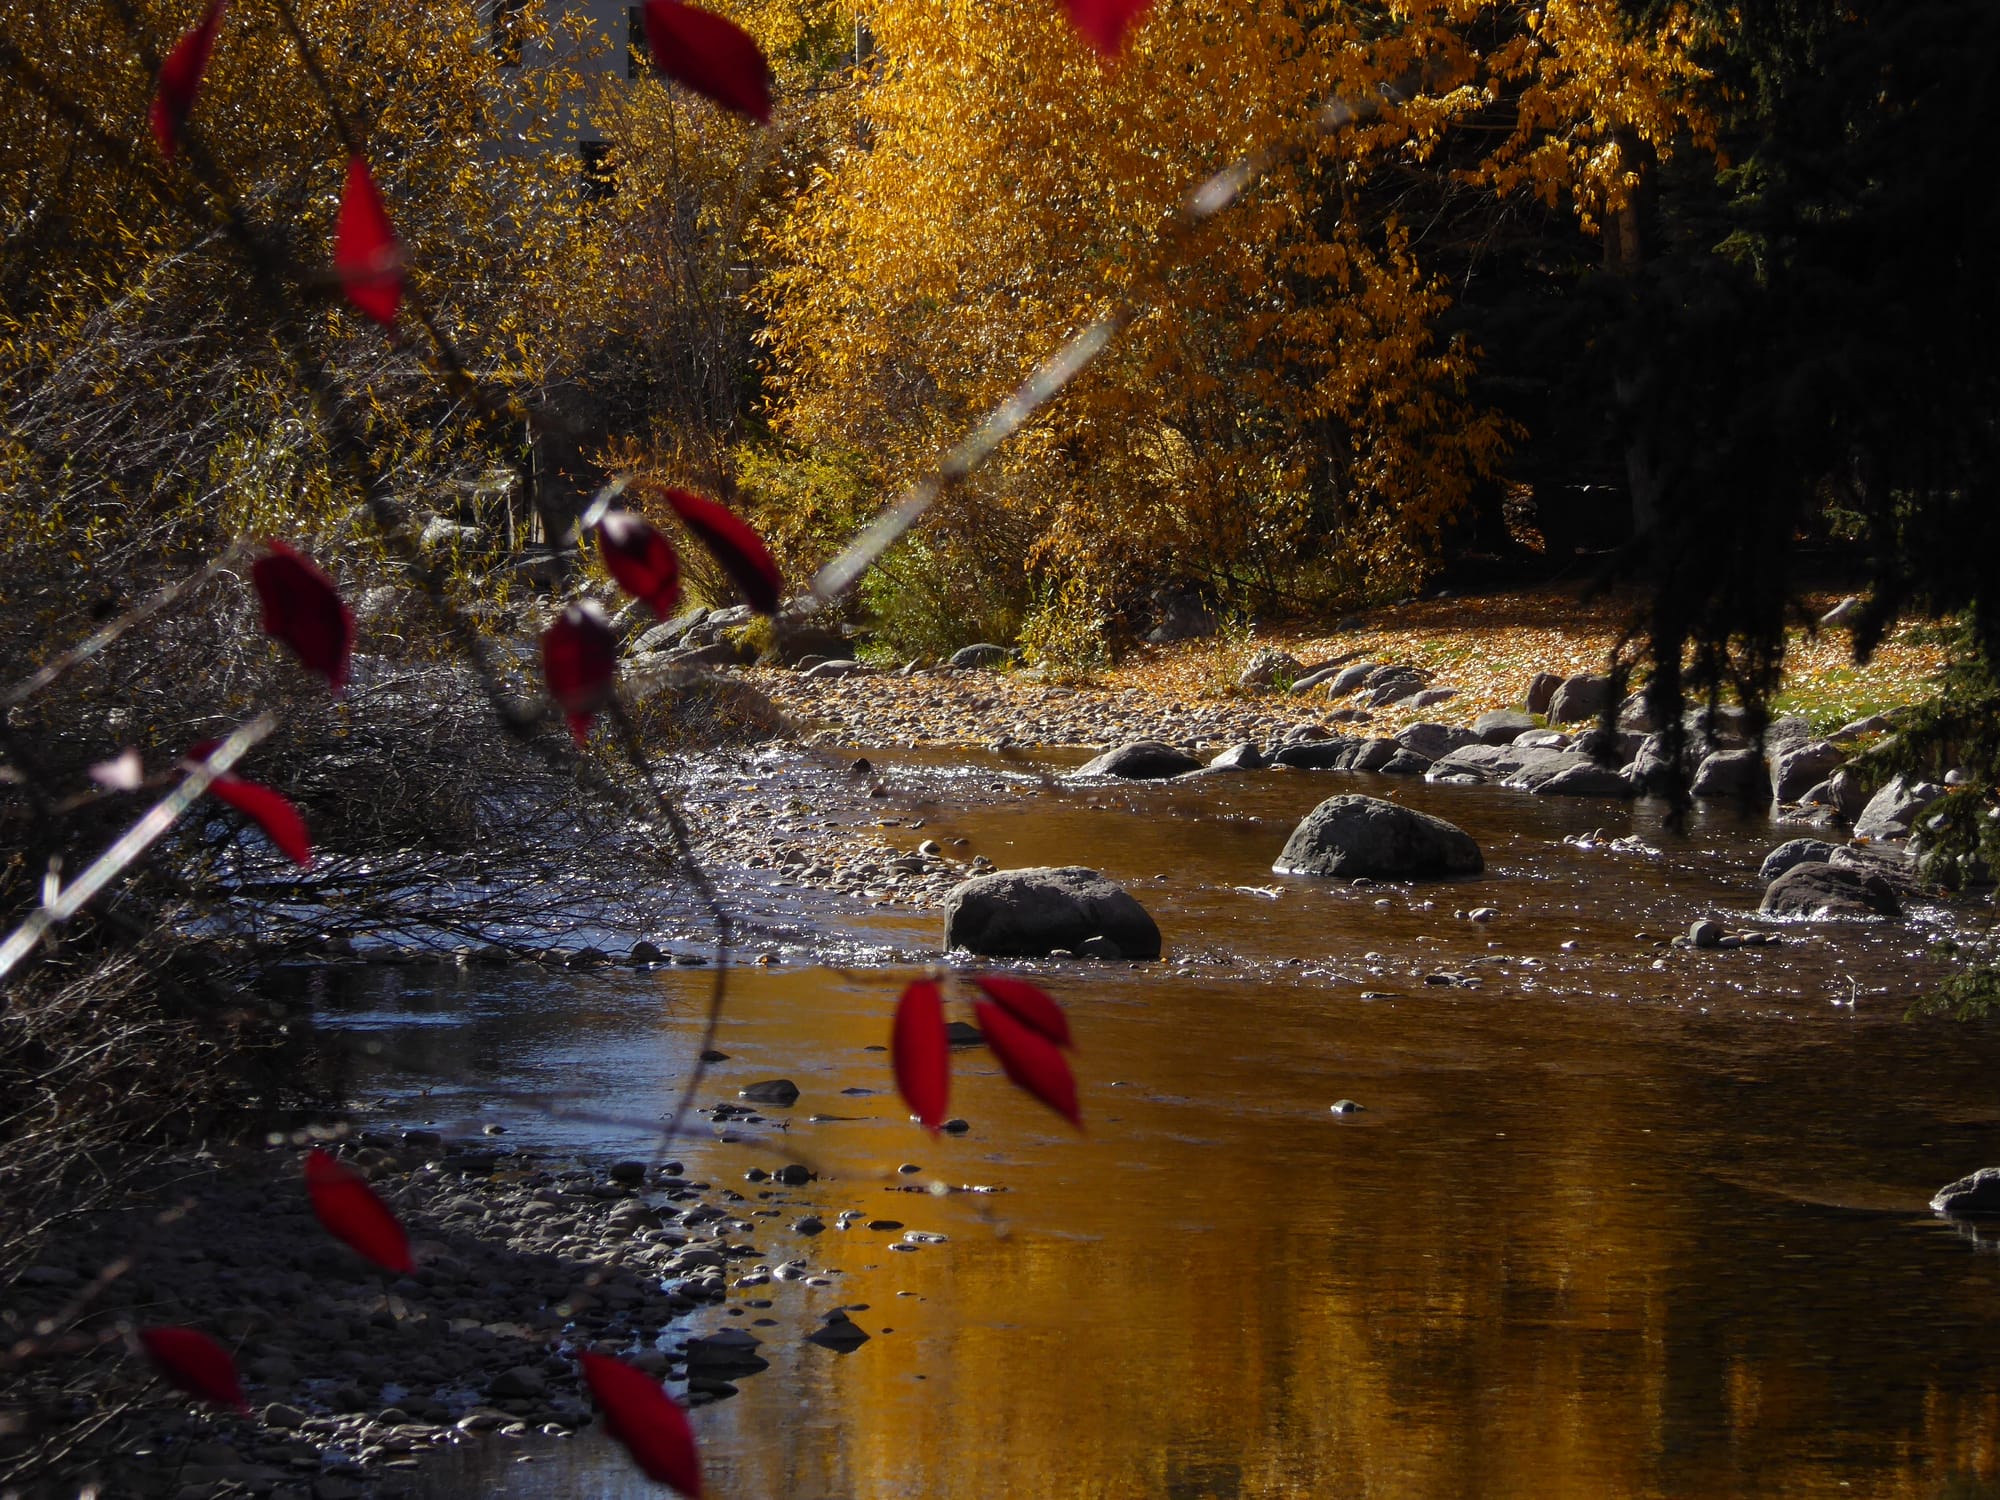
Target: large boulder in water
x=1031, y=913
x=1142, y=760
x=1826, y=890
x=1977, y=1196
x=1352, y=836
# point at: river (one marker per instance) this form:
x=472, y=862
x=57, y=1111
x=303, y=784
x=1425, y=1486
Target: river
x=1615, y=1219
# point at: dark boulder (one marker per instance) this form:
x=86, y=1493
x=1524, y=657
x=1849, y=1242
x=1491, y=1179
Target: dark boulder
x=1142, y=760
x=1892, y=812
x=1732, y=774
x=1584, y=696
x=1501, y=725
x=1032, y=913
x=1824, y=890
x=1353, y=836
x=1977, y=1196
x=1317, y=755
x=1542, y=692
x=982, y=654
x=1793, y=852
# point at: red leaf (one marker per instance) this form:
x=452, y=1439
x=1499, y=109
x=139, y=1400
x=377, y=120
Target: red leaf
x=366, y=257
x=739, y=549
x=180, y=79
x=270, y=811
x=579, y=654
x=1104, y=22
x=348, y=1207
x=646, y=1420
x=1031, y=1060
x=303, y=609
x=195, y=1363
x=710, y=55
x=640, y=559
x=921, y=1054
x=1029, y=1004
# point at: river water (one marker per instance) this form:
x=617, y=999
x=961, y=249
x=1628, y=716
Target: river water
x=1614, y=1219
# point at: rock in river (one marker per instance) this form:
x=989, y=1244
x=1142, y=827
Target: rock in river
x=1141, y=760
x=1354, y=835
x=1974, y=1196
x=1031, y=913
x=1816, y=890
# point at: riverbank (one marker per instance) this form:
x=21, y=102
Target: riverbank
x=351, y=1375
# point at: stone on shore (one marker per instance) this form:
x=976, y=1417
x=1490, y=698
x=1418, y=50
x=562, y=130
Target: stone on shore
x=1584, y=696
x=1892, y=812
x=1824, y=890
x=1798, y=767
x=980, y=654
x=1434, y=741
x=1352, y=836
x=1541, y=692
x=1243, y=756
x=1732, y=774
x=1501, y=725
x=1141, y=760
x=1032, y=913
x=1268, y=668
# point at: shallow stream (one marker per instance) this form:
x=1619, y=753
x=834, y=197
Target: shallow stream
x=1615, y=1219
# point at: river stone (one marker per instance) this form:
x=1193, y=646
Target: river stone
x=1429, y=698
x=1798, y=767
x=1542, y=739
x=730, y=1351
x=1892, y=812
x=1312, y=679
x=836, y=667
x=1635, y=714
x=1477, y=763
x=1824, y=890
x=779, y=1091
x=1793, y=852
x=1538, y=766
x=1861, y=729
x=1434, y=741
x=1787, y=732
x=1970, y=1197
x=1317, y=755
x=1268, y=668
x=1352, y=835
x=1244, y=756
x=1348, y=679
x=1031, y=913
x=1501, y=725
x=1584, y=696
x=1141, y=760
x=1373, y=755
x=521, y=1381
x=980, y=654
x=1542, y=692
x=1588, y=779
x=664, y=637
x=1405, y=763
x=1737, y=774
x=1393, y=690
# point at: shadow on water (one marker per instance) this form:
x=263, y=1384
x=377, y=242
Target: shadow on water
x=1615, y=1219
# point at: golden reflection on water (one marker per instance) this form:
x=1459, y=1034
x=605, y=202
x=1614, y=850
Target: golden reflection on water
x=1624, y=1245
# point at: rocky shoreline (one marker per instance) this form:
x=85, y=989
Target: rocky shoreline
x=353, y=1375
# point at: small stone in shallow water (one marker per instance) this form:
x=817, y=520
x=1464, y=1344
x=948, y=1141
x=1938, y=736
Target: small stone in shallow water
x=956, y=1127
x=1705, y=934
x=793, y=1175
x=1346, y=1107
x=909, y=1166
x=810, y=1224
x=756, y=1174
x=712, y=1055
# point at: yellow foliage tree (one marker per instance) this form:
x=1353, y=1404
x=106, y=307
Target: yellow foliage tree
x=1284, y=410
